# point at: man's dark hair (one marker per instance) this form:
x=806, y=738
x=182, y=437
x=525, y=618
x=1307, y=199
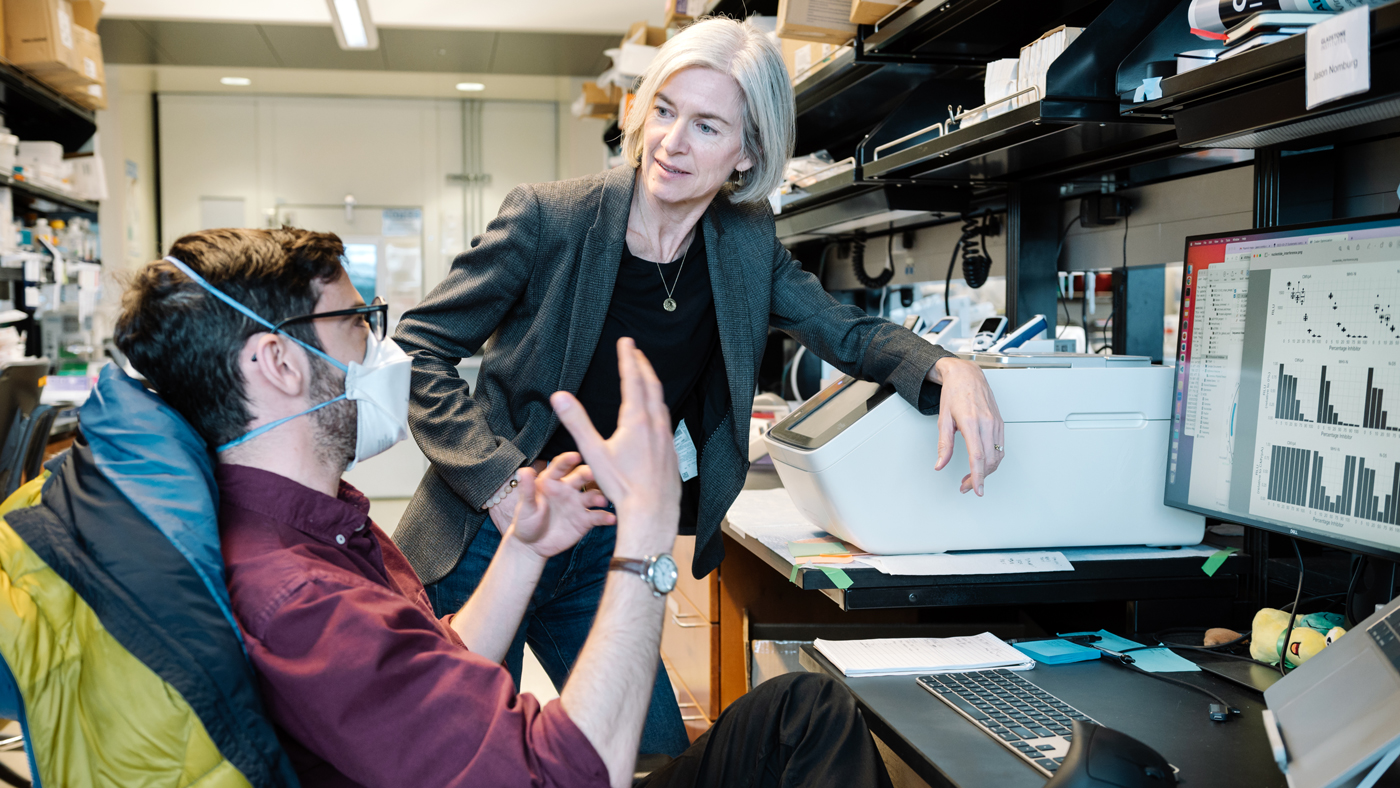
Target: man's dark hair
x=186, y=341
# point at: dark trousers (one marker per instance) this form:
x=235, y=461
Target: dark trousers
x=801, y=729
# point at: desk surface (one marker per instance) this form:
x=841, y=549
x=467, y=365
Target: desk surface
x=946, y=750
x=1091, y=581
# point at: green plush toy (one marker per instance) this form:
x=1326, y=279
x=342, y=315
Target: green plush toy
x=1311, y=633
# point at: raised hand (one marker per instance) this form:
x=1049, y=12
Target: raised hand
x=553, y=512
x=636, y=467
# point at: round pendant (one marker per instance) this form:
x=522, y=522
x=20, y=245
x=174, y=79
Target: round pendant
x=669, y=304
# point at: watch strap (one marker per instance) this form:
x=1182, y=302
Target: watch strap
x=637, y=566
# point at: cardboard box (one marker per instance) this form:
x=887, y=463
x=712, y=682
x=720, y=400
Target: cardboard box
x=682, y=12
x=87, y=57
x=804, y=58
x=822, y=21
x=644, y=34
x=89, y=96
x=40, y=38
x=87, y=13
x=864, y=12
x=598, y=102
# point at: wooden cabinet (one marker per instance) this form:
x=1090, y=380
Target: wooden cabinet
x=690, y=640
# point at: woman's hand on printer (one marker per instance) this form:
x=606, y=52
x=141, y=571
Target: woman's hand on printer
x=967, y=406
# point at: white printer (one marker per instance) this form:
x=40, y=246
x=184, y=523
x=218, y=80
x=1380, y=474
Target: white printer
x=1086, y=461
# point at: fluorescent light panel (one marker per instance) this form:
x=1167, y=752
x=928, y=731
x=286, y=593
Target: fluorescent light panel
x=470, y=87
x=353, y=27
x=239, y=81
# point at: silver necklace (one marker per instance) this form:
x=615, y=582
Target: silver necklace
x=670, y=303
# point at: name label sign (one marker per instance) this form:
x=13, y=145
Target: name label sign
x=1339, y=57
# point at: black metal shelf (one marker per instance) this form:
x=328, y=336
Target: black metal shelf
x=35, y=111
x=1028, y=143
x=52, y=195
x=974, y=31
x=947, y=39
x=1258, y=98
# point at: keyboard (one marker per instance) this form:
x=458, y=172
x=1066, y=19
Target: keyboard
x=1025, y=718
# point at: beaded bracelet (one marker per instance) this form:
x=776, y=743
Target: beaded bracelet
x=502, y=493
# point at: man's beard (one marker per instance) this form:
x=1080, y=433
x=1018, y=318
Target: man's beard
x=335, y=424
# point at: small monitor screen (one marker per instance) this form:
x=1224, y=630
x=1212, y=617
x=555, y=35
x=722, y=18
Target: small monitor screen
x=1288, y=370
x=852, y=396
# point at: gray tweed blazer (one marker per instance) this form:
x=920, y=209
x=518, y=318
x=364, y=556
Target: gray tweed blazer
x=539, y=281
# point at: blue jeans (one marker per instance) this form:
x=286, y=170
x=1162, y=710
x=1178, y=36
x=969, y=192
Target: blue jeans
x=558, y=618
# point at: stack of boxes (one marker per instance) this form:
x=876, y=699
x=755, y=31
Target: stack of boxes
x=57, y=42
x=813, y=32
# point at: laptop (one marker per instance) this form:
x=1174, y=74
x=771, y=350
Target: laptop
x=1335, y=720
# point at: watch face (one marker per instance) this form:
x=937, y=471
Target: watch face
x=663, y=574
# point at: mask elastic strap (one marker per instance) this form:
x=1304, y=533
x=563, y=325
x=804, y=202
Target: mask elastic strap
x=251, y=315
x=271, y=425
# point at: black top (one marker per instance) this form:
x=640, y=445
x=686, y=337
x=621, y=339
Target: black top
x=678, y=344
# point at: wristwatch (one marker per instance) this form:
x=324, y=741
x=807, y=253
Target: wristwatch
x=658, y=571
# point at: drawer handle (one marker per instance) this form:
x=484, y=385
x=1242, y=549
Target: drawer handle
x=676, y=619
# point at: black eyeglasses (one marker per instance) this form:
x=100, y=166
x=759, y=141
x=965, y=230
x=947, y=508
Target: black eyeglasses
x=375, y=313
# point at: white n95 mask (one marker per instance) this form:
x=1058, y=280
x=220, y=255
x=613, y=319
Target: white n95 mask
x=378, y=385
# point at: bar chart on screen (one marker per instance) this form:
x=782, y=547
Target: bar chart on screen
x=1328, y=448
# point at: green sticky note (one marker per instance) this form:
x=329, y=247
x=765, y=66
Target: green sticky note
x=1216, y=559
x=792, y=578
x=841, y=579
x=807, y=549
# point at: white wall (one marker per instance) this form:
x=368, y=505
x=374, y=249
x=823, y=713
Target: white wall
x=283, y=150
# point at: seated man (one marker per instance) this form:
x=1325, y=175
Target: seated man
x=258, y=338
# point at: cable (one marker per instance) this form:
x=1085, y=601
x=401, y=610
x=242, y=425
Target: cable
x=1351, y=587
x=858, y=265
x=1292, y=614
x=1180, y=683
x=976, y=261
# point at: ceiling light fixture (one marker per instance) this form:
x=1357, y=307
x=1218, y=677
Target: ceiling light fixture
x=238, y=81
x=470, y=87
x=353, y=27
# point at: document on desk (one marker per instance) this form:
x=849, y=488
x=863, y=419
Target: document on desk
x=757, y=511
x=991, y=562
x=919, y=656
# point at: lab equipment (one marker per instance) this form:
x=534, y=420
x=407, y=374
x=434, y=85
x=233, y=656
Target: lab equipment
x=988, y=333
x=1029, y=330
x=945, y=326
x=1085, y=444
x=1286, y=350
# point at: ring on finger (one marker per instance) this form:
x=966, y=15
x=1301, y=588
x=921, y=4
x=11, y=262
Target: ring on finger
x=997, y=446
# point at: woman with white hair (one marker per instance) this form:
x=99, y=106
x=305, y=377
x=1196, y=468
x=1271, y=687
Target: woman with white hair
x=676, y=249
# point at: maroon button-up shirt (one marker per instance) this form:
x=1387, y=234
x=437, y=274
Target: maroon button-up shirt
x=366, y=685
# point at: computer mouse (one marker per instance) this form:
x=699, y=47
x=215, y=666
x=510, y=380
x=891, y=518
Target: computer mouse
x=1101, y=757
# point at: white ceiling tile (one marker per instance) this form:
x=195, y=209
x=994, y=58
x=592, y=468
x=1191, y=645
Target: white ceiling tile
x=284, y=11
x=591, y=16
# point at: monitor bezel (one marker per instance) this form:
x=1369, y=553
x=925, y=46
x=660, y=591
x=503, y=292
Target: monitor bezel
x=1284, y=530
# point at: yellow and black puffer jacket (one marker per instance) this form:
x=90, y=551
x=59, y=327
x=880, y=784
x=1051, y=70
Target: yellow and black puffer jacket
x=114, y=619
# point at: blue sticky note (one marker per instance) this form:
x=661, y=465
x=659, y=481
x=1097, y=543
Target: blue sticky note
x=1162, y=660
x=1057, y=652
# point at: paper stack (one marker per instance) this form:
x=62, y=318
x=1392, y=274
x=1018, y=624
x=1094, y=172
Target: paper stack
x=920, y=656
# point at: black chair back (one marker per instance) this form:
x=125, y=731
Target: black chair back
x=21, y=416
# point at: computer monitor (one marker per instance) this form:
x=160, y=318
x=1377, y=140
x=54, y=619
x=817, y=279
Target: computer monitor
x=1286, y=410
